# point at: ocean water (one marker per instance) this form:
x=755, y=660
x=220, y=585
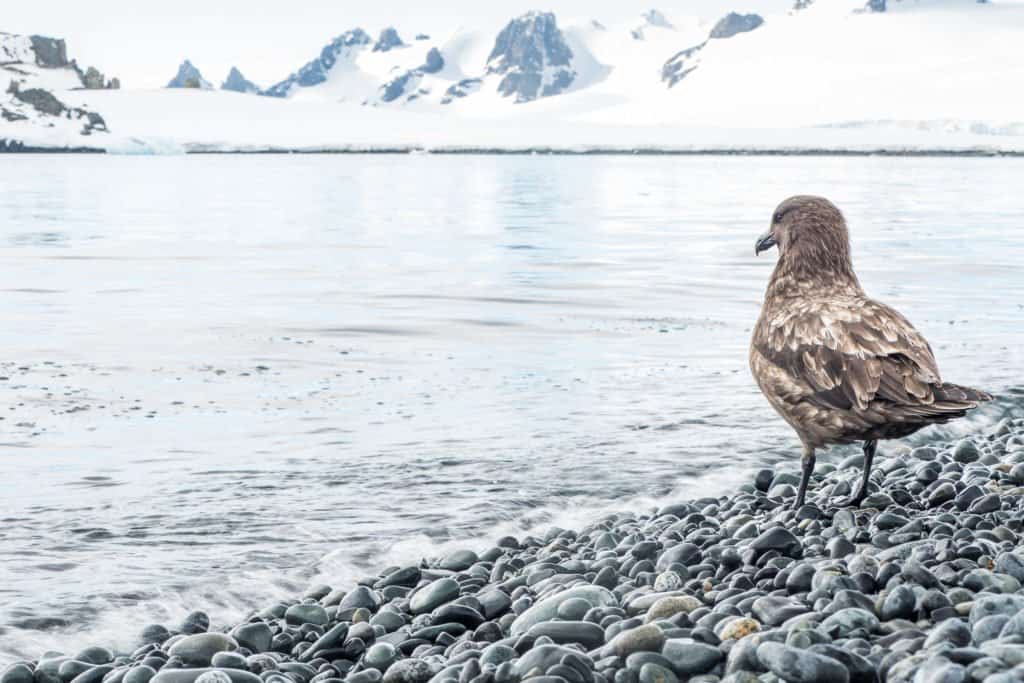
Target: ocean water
x=225, y=378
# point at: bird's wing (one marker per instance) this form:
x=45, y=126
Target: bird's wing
x=850, y=353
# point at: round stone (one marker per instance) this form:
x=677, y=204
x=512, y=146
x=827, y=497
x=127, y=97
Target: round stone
x=306, y=613
x=213, y=676
x=734, y=629
x=139, y=674
x=360, y=596
x=547, y=609
x=800, y=666
x=689, y=657
x=667, y=581
x=255, y=636
x=380, y=656
x=777, y=538
x=899, y=603
x=648, y=638
x=196, y=622
x=409, y=671
x=966, y=451
x=671, y=605
x=154, y=633
x=197, y=650
x=573, y=609
x=588, y=635
x=433, y=595
x=844, y=622
x=19, y=672
x=460, y=560
x=655, y=673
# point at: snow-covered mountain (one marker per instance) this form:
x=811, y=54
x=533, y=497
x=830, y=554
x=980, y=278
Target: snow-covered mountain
x=189, y=76
x=816, y=74
x=685, y=61
x=236, y=82
x=41, y=104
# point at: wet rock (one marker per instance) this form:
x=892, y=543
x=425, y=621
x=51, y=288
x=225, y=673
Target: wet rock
x=19, y=672
x=255, y=636
x=186, y=675
x=777, y=538
x=845, y=622
x=672, y=605
x=966, y=451
x=800, y=666
x=434, y=595
x=648, y=638
x=197, y=650
x=690, y=658
x=409, y=671
x=775, y=610
x=547, y=609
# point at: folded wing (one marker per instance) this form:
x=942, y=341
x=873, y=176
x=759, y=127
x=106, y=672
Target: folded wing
x=863, y=357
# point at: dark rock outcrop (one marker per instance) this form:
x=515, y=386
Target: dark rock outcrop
x=463, y=88
x=434, y=62
x=733, y=23
x=236, y=82
x=409, y=81
x=92, y=79
x=532, y=57
x=396, y=87
x=684, y=62
x=43, y=101
x=189, y=76
x=50, y=52
x=388, y=40
x=8, y=115
x=875, y=5
x=681, y=64
x=47, y=104
x=315, y=71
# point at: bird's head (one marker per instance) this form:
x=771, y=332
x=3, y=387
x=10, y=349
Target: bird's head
x=810, y=230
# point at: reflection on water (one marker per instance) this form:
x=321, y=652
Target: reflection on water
x=227, y=377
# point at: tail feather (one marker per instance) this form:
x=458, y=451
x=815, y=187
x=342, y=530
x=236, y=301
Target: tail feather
x=960, y=394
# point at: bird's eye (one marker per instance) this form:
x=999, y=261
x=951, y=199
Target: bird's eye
x=777, y=217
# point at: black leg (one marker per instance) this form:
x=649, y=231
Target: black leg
x=807, y=463
x=862, y=490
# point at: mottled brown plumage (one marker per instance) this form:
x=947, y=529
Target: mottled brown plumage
x=838, y=366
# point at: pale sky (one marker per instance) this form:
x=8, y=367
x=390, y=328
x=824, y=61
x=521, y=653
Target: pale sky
x=143, y=42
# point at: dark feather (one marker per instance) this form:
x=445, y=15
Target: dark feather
x=838, y=366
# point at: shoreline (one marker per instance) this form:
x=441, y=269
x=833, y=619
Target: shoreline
x=17, y=147
x=925, y=579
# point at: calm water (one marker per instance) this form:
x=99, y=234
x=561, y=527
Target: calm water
x=226, y=378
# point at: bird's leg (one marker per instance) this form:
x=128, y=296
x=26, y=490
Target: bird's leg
x=807, y=464
x=862, y=490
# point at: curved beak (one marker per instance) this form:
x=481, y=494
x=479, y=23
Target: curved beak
x=764, y=242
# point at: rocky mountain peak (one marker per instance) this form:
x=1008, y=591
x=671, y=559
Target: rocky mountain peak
x=189, y=76
x=315, y=71
x=734, y=23
x=407, y=84
x=532, y=57
x=388, y=40
x=50, y=52
x=684, y=62
x=236, y=82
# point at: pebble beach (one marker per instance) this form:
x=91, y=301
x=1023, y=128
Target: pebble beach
x=922, y=583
